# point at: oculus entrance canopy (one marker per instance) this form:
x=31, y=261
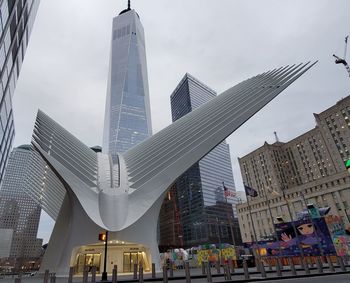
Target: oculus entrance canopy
x=124, y=194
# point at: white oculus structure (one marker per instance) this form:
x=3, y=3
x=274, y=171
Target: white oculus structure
x=125, y=197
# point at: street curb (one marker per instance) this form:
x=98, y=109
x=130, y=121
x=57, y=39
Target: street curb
x=286, y=277
x=237, y=280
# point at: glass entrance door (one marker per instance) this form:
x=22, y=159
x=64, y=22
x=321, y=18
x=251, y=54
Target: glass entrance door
x=88, y=260
x=129, y=259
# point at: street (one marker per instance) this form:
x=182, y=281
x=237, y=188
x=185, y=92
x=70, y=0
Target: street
x=339, y=278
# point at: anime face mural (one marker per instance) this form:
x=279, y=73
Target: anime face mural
x=313, y=237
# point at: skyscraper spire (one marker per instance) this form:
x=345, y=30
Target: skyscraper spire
x=127, y=9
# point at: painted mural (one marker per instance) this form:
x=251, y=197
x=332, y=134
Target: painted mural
x=340, y=236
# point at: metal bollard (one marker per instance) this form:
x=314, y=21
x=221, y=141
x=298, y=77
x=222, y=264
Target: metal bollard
x=209, y=278
x=292, y=266
x=278, y=268
x=311, y=262
x=231, y=266
x=270, y=265
x=85, y=274
x=306, y=267
x=141, y=274
x=217, y=265
x=262, y=270
x=330, y=264
x=245, y=268
x=225, y=271
x=153, y=270
x=257, y=265
x=93, y=274
x=319, y=265
x=53, y=278
x=135, y=271
x=18, y=280
x=46, y=276
x=341, y=263
x=115, y=274
x=187, y=272
x=165, y=274
x=280, y=262
x=70, y=276
x=228, y=272
x=203, y=268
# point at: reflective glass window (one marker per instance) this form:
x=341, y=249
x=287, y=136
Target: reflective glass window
x=7, y=41
x=19, y=9
x=1, y=26
x=12, y=83
x=2, y=56
x=13, y=26
x=4, y=78
x=3, y=115
x=11, y=3
x=4, y=12
x=8, y=102
x=9, y=64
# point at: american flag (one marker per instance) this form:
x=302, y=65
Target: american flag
x=228, y=192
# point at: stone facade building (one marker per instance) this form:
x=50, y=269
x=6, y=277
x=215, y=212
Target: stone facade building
x=311, y=165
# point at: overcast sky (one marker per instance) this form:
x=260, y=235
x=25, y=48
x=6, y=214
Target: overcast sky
x=219, y=42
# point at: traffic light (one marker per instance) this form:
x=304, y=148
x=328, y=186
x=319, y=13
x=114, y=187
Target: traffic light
x=102, y=237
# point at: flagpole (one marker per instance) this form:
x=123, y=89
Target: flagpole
x=273, y=223
x=229, y=218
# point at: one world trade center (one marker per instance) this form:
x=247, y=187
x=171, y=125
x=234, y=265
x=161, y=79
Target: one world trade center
x=127, y=113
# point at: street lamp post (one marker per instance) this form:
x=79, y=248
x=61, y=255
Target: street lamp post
x=104, y=273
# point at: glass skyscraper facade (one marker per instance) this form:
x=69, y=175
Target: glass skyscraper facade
x=196, y=211
x=16, y=21
x=19, y=213
x=127, y=114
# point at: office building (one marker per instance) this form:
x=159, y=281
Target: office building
x=29, y=185
x=311, y=164
x=195, y=210
x=127, y=112
x=17, y=18
x=19, y=215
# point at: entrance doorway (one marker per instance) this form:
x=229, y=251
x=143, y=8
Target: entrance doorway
x=131, y=258
x=88, y=260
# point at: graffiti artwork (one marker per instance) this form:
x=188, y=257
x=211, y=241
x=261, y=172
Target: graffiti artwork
x=340, y=237
x=312, y=237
